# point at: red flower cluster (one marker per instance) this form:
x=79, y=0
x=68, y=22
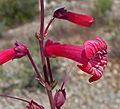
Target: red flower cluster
x=91, y=56
x=79, y=19
x=16, y=52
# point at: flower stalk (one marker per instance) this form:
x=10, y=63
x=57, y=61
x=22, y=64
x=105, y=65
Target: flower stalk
x=38, y=74
x=30, y=104
x=49, y=70
x=16, y=98
x=50, y=22
x=41, y=39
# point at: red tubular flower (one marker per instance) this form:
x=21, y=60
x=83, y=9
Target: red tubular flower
x=60, y=98
x=6, y=55
x=91, y=56
x=18, y=51
x=80, y=19
x=34, y=105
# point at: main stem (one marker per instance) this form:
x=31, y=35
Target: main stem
x=41, y=41
x=41, y=38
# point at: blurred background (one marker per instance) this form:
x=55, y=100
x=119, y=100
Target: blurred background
x=19, y=20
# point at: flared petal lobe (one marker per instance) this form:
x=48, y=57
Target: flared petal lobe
x=6, y=55
x=95, y=51
x=79, y=19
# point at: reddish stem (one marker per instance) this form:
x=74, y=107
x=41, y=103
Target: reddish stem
x=16, y=98
x=69, y=71
x=41, y=38
x=42, y=19
x=50, y=22
x=38, y=74
x=43, y=61
x=49, y=69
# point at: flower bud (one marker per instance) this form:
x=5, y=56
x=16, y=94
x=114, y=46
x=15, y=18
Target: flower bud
x=79, y=19
x=59, y=98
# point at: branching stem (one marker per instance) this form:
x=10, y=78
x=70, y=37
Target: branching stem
x=41, y=39
x=50, y=22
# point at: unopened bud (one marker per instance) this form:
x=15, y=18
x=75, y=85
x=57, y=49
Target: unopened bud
x=59, y=98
